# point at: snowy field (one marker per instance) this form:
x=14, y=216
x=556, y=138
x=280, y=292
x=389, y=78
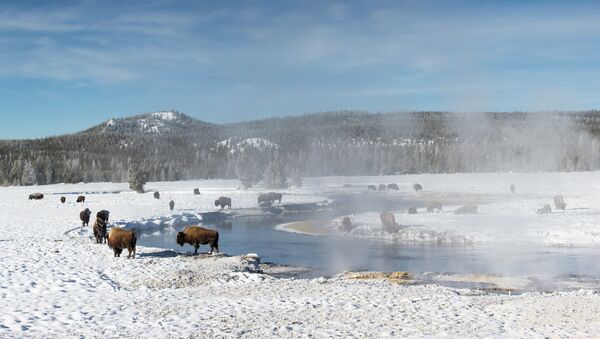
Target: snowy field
x=55, y=282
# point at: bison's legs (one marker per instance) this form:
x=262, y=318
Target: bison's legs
x=196, y=248
x=214, y=247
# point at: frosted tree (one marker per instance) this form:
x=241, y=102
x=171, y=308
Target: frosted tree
x=275, y=176
x=136, y=178
x=249, y=168
x=295, y=178
x=29, y=177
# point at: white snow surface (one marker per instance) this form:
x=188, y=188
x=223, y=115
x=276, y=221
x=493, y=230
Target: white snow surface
x=55, y=282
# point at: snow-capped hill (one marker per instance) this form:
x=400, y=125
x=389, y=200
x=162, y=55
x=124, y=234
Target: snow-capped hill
x=238, y=144
x=156, y=123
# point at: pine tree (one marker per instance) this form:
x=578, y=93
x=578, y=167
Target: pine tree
x=136, y=178
x=28, y=177
x=275, y=176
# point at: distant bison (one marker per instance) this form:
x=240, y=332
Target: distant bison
x=432, y=205
x=347, y=224
x=417, y=187
x=156, y=195
x=171, y=205
x=347, y=185
x=559, y=202
x=544, y=210
x=85, y=217
x=372, y=188
x=466, y=209
x=119, y=239
x=80, y=198
x=388, y=222
x=267, y=199
x=512, y=188
x=196, y=236
x=63, y=199
x=223, y=202
x=36, y=196
x=100, y=231
x=196, y=191
x=103, y=214
x=412, y=210
x=381, y=187
x=393, y=187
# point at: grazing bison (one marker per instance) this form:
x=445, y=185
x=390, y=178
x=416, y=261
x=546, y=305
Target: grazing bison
x=432, y=205
x=267, y=199
x=381, y=187
x=156, y=195
x=417, y=187
x=36, y=196
x=559, y=202
x=196, y=191
x=412, y=210
x=80, y=198
x=223, y=202
x=103, y=214
x=196, y=236
x=372, y=188
x=171, y=205
x=544, y=210
x=393, y=187
x=347, y=224
x=63, y=200
x=85, y=217
x=466, y=209
x=100, y=231
x=512, y=188
x=388, y=222
x=118, y=239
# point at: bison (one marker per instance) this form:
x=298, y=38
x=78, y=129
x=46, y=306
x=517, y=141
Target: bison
x=100, y=230
x=372, y=188
x=512, y=188
x=412, y=210
x=466, y=209
x=544, y=210
x=196, y=236
x=171, y=205
x=103, y=214
x=85, y=217
x=347, y=185
x=36, y=196
x=267, y=199
x=417, y=187
x=381, y=187
x=156, y=195
x=559, y=202
x=223, y=202
x=347, y=224
x=118, y=239
x=196, y=191
x=80, y=198
x=393, y=187
x=432, y=205
x=388, y=222
x=63, y=200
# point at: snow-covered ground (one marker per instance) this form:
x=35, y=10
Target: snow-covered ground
x=55, y=282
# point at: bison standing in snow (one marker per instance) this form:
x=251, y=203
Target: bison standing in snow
x=156, y=195
x=432, y=205
x=268, y=199
x=103, y=214
x=171, y=205
x=412, y=210
x=388, y=222
x=63, y=200
x=417, y=187
x=85, y=217
x=196, y=236
x=196, y=191
x=381, y=187
x=36, y=196
x=80, y=198
x=372, y=188
x=119, y=239
x=559, y=202
x=347, y=224
x=223, y=202
x=100, y=231
x=393, y=187
x=544, y=210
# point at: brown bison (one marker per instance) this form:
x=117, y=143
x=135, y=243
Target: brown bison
x=223, y=202
x=100, y=231
x=156, y=195
x=417, y=187
x=372, y=188
x=85, y=217
x=388, y=222
x=36, y=196
x=559, y=202
x=544, y=210
x=466, y=209
x=196, y=191
x=63, y=200
x=432, y=205
x=119, y=239
x=347, y=224
x=80, y=198
x=171, y=205
x=412, y=210
x=512, y=188
x=268, y=199
x=196, y=236
x=103, y=214
x=393, y=187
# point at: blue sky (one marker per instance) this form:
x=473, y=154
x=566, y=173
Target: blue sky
x=67, y=65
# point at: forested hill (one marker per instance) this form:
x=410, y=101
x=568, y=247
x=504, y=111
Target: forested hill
x=174, y=146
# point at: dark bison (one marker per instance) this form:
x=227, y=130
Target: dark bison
x=559, y=202
x=196, y=191
x=268, y=199
x=103, y=214
x=466, y=209
x=171, y=205
x=388, y=222
x=432, y=205
x=36, y=196
x=544, y=210
x=347, y=224
x=156, y=195
x=381, y=187
x=80, y=198
x=100, y=231
x=119, y=239
x=196, y=236
x=63, y=200
x=512, y=188
x=223, y=202
x=85, y=217
x=412, y=210
x=417, y=187
x=372, y=188
x=393, y=187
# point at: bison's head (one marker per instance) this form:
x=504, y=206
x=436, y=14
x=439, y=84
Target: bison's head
x=180, y=238
x=217, y=202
